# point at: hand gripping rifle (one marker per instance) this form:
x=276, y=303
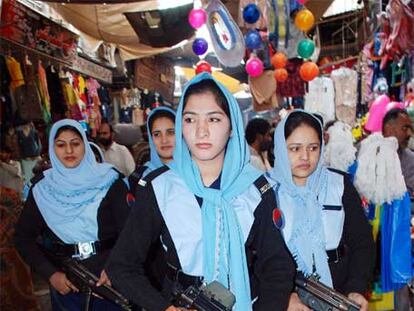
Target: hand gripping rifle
x=211, y=297
x=319, y=297
x=85, y=280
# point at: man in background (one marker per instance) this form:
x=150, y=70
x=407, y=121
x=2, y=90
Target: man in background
x=260, y=141
x=397, y=123
x=115, y=154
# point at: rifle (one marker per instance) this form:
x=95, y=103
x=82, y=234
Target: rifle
x=211, y=297
x=85, y=280
x=319, y=297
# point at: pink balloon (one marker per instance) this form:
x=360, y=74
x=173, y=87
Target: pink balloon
x=197, y=18
x=302, y=1
x=254, y=67
x=376, y=113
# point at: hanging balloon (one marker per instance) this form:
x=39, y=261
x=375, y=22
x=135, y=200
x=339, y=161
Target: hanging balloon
x=301, y=2
x=279, y=60
x=253, y=39
x=200, y=46
x=306, y=48
x=308, y=71
x=203, y=66
x=254, y=67
x=304, y=20
x=197, y=18
x=251, y=13
x=281, y=74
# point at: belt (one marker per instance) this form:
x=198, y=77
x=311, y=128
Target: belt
x=185, y=280
x=81, y=250
x=335, y=255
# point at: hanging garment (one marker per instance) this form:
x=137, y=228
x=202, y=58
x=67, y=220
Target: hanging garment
x=44, y=92
x=321, y=98
x=71, y=99
x=294, y=86
x=346, y=87
x=263, y=89
x=58, y=104
x=28, y=140
x=106, y=104
x=15, y=72
x=27, y=97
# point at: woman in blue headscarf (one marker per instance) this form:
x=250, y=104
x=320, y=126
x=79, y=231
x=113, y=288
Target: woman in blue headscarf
x=161, y=137
x=325, y=227
x=214, y=223
x=77, y=209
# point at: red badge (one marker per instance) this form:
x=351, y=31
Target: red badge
x=278, y=220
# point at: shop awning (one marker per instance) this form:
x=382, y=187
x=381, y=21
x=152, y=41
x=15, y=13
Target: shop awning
x=107, y=23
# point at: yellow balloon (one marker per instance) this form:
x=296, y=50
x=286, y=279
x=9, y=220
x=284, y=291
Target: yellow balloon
x=304, y=20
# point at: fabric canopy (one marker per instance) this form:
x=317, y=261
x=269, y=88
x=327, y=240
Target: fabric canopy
x=107, y=23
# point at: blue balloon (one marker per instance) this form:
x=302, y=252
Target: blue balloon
x=253, y=39
x=200, y=46
x=251, y=13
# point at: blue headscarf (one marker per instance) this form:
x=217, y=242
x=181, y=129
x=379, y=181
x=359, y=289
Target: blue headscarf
x=304, y=236
x=68, y=198
x=224, y=255
x=155, y=161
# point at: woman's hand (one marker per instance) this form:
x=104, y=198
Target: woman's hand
x=295, y=304
x=104, y=279
x=359, y=299
x=60, y=282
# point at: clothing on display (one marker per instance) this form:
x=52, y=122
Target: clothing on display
x=58, y=106
x=346, y=87
x=321, y=98
x=28, y=140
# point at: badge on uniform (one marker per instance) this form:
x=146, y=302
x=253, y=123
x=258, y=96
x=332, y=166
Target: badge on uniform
x=278, y=219
x=130, y=199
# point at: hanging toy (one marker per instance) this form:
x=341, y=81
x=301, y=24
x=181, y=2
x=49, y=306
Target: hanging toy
x=226, y=37
x=377, y=112
x=308, y=71
x=200, y=46
x=203, y=66
x=197, y=18
x=281, y=75
x=251, y=13
x=304, y=20
x=279, y=60
x=306, y=47
x=253, y=39
x=254, y=67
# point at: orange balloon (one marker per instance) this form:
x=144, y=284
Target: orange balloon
x=279, y=60
x=308, y=71
x=281, y=74
x=304, y=20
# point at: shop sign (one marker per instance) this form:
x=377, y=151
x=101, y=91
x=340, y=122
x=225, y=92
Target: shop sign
x=29, y=28
x=91, y=69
